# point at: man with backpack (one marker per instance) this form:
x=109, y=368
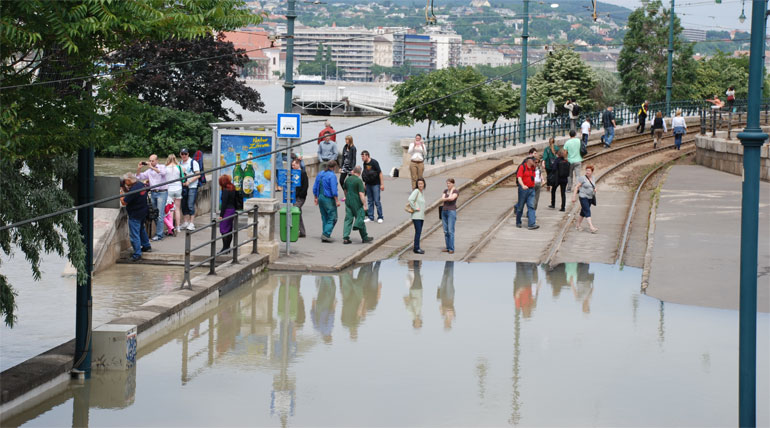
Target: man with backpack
x=137, y=209
x=558, y=177
x=608, y=122
x=525, y=176
x=572, y=147
x=574, y=113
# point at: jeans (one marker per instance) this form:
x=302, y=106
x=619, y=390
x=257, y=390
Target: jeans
x=678, y=140
x=328, y=214
x=585, y=207
x=137, y=234
x=188, y=202
x=417, y=232
x=609, y=135
x=448, y=218
x=526, y=196
x=574, y=170
x=553, y=194
x=372, y=199
x=159, y=201
x=585, y=139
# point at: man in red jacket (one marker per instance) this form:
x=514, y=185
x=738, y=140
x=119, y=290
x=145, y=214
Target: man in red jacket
x=327, y=130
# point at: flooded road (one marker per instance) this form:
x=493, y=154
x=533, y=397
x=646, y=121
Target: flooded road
x=433, y=344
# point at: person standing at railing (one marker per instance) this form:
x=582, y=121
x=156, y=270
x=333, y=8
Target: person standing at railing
x=572, y=147
x=228, y=207
x=417, y=153
x=325, y=192
x=136, y=208
x=642, y=115
x=730, y=93
x=328, y=130
x=155, y=174
x=327, y=151
x=608, y=123
x=574, y=111
x=658, y=128
x=679, y=126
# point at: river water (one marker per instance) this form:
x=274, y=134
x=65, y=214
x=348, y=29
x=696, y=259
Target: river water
x=394, y=344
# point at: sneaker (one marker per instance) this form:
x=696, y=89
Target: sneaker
x=191, y=227
x=444, y=250
x=518, y=225
x=450, y=252
x=367, y=220
x=367, y=240
x=183, y=226
x=419, y=251
x=344, y=240
x=325, y=238
x=551, y=206
x=146, y=249
x=342, y=199
x=533, y=227
x=136, y=258
x=156, y=238
x=379, y=220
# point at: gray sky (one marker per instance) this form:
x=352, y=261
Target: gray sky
x=702, y=14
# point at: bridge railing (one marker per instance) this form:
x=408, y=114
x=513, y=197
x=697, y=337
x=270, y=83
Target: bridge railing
x=471, y=141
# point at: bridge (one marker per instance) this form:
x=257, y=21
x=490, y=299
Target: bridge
x=338, y=102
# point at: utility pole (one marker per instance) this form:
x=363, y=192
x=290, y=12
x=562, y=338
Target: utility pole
x=83, y=295
x=752, y=139
x=670, y=59
x=288, y=84
x=523, y=104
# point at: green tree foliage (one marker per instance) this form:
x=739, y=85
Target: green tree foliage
x=716, y=74
x=426, y=87
x=43, y=125
x=607, y=89
x=564, y=76
x=400, y=73
x=643, y=59
x=200, y=86
x=506, y=73
x=495, y=100
x=322, y=64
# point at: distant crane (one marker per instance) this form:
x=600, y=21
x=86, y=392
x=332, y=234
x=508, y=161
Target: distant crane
x=430, y=17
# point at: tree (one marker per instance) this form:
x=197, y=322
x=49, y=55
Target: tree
x=564, y=76
x=495, y=100
x=200, y=86
x=321, y=64
x=607, y=89
x=643, y=59
x=424, y=88
x=43, y=124
x=716, y=74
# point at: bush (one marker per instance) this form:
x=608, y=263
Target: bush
x=138, y=129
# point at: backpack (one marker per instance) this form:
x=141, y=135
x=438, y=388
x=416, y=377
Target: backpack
x=583, y=148
x=199, y=158
x=562, y=169
x=239, y=195
x=152, y=210
x=575, y=109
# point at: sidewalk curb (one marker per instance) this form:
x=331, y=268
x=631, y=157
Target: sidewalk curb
x=651, y=233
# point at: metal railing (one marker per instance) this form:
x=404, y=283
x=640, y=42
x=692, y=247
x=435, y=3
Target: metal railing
x=471, y=141
x=212, y=243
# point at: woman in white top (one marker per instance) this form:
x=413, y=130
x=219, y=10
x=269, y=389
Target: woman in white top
x=417, y=153
x=680, y=128
x=174, y=172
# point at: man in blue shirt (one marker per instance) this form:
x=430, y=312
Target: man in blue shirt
x=325, y=192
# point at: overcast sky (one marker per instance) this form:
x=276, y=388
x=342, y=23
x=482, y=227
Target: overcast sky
x=702, y=14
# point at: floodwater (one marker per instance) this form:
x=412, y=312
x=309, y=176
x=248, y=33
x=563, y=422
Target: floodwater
x=434, y=344
x=46, y=308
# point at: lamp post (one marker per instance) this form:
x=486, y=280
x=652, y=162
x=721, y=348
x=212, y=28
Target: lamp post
x=523, y=104
x=288, y=84
x=752, y=139
x=669, y=71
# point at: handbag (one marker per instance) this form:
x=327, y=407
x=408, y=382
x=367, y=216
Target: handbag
x=152, y=212
x=408, y=208
x=440, y=213
x=592, y=201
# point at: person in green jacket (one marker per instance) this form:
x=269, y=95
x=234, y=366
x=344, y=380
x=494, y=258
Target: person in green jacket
x=549, y=157
x=355, y=199
x=417, y=202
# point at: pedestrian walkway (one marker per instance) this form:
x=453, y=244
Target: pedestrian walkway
x=696, y=250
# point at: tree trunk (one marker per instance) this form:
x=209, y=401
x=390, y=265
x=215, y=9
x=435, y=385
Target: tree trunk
x=462, y=121
x=427, y=134
x=494, y=126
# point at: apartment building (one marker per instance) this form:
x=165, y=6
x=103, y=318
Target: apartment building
x=352, y=49
x=383, y=50
x=447, y=48
x=415, y=49
x=473, y=54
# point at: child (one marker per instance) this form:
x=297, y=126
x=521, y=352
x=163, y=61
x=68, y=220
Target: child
x=169, y=217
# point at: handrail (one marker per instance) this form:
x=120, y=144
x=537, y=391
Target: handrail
x=212, y=242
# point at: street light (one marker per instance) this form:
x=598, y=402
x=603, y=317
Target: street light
x=742, y=18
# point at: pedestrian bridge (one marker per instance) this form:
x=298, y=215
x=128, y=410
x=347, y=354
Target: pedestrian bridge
x=338, y=102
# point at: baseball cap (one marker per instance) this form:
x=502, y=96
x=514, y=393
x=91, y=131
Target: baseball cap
x=185, y=151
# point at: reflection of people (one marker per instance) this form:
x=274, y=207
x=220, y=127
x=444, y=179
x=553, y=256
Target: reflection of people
x=557, y=277
x=525, y=288
x=581, y=281
x=446, y=294
x=296, y=307
x=369, y=276
x=413, y=300
x=352, y=303
x=322, y=310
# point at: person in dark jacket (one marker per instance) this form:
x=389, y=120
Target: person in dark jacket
x=229, y=196
x=348, y=159
x=301, y=194
x=560, y=171
x=136, y=208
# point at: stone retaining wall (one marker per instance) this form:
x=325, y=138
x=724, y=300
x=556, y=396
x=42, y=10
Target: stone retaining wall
x=727, y=155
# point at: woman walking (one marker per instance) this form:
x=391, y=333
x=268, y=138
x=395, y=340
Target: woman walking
x=586, y=191
x=227, y=209
x=679, y=126
x=549, y=156
x=730, y=99
x=560, y=174
x=417, y=203
x=174, y=172
x=449, y=214
x=348, y=160
x=417, y=153
x=658, y=128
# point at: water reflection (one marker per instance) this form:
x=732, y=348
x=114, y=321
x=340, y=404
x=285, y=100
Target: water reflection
x=502, y=362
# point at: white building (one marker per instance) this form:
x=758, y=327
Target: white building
x=472, y=54
x=447, y=48
x=383, y=50
x=352, y=49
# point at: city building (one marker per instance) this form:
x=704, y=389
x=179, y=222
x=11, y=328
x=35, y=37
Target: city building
x=352, y=49
x=694, y=35
x=415, y=49
x=383, y=50
x=473, y=54
x=447, y=47
x=255, y=43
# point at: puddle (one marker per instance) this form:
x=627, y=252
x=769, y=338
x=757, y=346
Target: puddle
x=437, y=344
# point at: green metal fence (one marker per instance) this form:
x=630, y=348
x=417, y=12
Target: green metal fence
x=475, y=140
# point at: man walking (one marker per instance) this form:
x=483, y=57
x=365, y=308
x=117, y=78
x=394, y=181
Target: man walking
x=136, y=208
x=301, y=193
x=608, y=122
x=572, y=146
x=355, y=199
x=325, y=192
x=642, y=115
x=585, y=130
x=525, y=176
x=327, y=151
x=156, y=174
x=372, y=176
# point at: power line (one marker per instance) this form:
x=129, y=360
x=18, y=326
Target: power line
x=276, y=151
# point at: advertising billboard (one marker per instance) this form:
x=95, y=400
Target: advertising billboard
x=253, y=177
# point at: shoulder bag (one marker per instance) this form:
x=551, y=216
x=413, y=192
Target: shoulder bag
x=593, y=199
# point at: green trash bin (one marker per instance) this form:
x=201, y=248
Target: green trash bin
x=294, y=223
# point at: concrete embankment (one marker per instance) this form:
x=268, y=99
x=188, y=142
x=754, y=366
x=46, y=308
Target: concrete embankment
x=38, y=378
